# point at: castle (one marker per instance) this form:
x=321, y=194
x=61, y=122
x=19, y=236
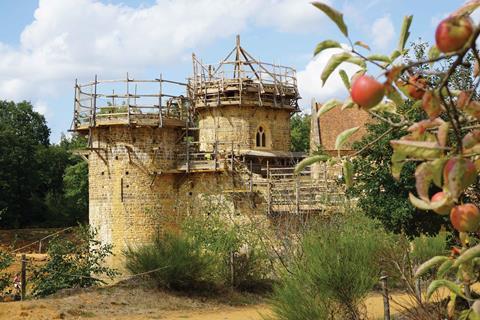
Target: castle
x=156, y=146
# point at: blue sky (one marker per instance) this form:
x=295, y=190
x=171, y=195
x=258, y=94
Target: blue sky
x=46, y=44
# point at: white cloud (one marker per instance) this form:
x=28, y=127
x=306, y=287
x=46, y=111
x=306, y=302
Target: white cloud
x=41, y=107
x=310, y=84
x=382, y=32
x=78, y=38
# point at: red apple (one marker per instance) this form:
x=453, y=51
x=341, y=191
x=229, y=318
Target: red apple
x=367, y=92
x=465, y=218
x=453, y=33
x=444, y=209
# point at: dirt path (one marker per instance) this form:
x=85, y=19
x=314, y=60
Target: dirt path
x=136, y=303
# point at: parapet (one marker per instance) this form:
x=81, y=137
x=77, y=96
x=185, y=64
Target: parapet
x=132, y=102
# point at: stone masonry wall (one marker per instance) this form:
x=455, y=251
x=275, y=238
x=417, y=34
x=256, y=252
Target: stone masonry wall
x=240, y=125
x=125, y=194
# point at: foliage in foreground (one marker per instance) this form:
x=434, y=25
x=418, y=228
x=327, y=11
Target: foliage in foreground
x=210, y=251
x=173, y=261
x=6, y=260
x=444, y=145
x=338, y=268
x=78, y=264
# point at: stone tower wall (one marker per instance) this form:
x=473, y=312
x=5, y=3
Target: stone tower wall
x=240, y=125
x=125, y=195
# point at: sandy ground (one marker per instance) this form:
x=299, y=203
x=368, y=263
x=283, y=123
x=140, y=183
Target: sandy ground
x=135, y=302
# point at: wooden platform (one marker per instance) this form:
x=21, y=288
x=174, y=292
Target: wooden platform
x=150, y=120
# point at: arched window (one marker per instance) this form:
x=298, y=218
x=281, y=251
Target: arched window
x=261, y=137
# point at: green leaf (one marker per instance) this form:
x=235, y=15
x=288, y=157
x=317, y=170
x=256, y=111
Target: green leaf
x=433, y=53
x=426, y=205
x=327, y=106
x=404, y=33
x=379, y=57
x=387, y=106
x=362, y=44
x=429, y=264
x=343, y=137
x=419, y=203
x=348, y=173
x=398, y=160
x=395, y=96
x=348, y=104
x=309, y=161
x=333, y=14
x=467, y=255
x=327, y=44
x=444, y=268
x=423, y=179
x=442, y=134
x=417, y=149
x=437, y=284
x=395, y=54
x=437, y=170
x=334, y=61
x=345, y=79
x=467, y=8
x=358, y=61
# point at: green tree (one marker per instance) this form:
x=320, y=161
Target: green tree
x=23, y=132
x=300, y=132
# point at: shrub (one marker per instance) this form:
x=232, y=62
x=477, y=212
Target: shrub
x=339, y=267
x=231, y=241
x=72, y=265
x=6, y=260
x=179, y=262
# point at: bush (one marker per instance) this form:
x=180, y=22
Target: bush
x=340, y=265
x=227, y=239
x=73, y=265
x=180, y=262
x=6, y=260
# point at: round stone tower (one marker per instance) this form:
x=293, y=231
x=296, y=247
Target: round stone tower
x=243, y=103
x=133, y=128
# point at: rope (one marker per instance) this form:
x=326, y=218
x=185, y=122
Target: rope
x=44, y=238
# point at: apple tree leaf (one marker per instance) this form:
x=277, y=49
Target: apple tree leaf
x=327, y=106
x=343, y=137
x=362, y=44
x=334, y=61
x=309, y=161
x=327, y=44
x=404, y=33
x=345, y=79
x=334, y=15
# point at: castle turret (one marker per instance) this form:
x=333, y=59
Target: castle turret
x=243, y=103
x=133, y=129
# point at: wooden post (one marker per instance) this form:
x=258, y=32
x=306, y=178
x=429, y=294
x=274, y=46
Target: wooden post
x=231, y=158
x=188, y=147
x=128, y=100
x=24, y=276
x=251, y=176
x=232, y=269
x=269, y=191
x=386, y=299
x=95, y=103
x=297, y=197
x=40, y=246
x=160, y=93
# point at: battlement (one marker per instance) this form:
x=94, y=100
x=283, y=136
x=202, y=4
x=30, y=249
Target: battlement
x=241, y=80
x=153, y=103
